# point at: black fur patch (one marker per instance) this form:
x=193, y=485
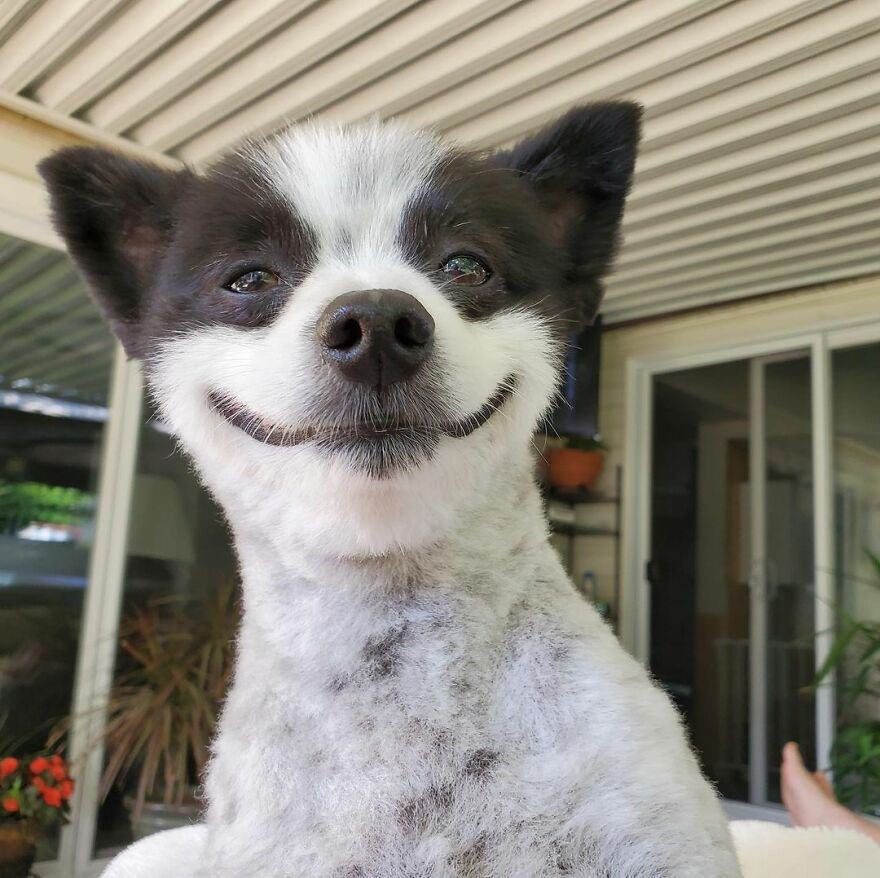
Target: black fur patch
x=381, y=654
x=543, y=216
x=426, y=813
x=471, y=862
x=564, y=860
x=158, y=247
x=116, y=216
x=480, y=763
x=232, y=222
x=488, y=213
x=581, y=168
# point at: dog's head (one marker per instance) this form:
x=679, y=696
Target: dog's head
x=355, y=324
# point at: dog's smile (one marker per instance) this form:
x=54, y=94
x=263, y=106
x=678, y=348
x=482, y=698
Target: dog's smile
x=257, y=427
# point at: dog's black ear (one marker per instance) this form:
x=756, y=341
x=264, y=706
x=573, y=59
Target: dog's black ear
x=581, y=168
x=116, y=215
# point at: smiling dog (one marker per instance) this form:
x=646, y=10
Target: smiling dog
x=354, y=332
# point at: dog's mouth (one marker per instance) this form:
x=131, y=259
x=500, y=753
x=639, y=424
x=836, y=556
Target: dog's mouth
x=376, y=430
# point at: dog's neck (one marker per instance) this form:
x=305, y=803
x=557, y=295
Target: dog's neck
x=371, y=679
x=305, y=603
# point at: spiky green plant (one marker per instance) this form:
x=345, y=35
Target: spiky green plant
x=176, y=661
x=855, y=754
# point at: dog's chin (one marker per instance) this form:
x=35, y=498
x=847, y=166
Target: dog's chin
x=380, y=448
x=382, y=455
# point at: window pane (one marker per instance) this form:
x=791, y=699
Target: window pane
x=705, y=616
x=700, y=563
x=857, y=513
x=55, y=363
x=179, y=558
x=791, y=587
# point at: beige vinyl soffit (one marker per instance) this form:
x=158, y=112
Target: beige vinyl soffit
x=759, y=170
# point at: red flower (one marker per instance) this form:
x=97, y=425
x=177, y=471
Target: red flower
x=56, y=760
x=66, y=789
x=58, y=772
x=52, y=797
x=7, y=766
x=40, y=784
x=39, y=765
x=10, y=804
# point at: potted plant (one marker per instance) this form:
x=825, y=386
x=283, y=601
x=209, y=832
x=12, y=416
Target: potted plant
x=577, y=463
x=34, y=793
x=174, y=666
x=855, y=754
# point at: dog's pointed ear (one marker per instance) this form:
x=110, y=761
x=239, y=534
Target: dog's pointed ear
x=116, y=216
x=581, y=168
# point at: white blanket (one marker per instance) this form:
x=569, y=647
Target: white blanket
x=766, y=850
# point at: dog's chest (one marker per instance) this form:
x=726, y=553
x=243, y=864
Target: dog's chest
x=415, y=749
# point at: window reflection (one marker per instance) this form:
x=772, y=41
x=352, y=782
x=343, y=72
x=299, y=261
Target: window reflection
x=178, y=591
x=55, y=364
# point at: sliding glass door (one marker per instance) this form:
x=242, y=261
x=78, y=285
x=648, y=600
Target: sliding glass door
x=699, y=568
x=752, y=462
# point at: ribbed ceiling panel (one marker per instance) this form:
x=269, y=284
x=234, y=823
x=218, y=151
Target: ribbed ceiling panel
x=52, y=341
x=760, y=166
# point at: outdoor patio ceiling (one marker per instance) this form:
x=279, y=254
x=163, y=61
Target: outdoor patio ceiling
x=52, y=342
x=760, y=168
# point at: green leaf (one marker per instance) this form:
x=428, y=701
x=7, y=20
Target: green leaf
x=838, y=650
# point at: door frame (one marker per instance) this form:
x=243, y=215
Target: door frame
x=820, y=340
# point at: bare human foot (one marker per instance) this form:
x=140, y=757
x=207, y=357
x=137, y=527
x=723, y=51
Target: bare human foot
x=825, y=785
x=810, y=801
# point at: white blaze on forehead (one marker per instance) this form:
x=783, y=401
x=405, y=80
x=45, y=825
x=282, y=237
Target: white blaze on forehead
x=351, y=185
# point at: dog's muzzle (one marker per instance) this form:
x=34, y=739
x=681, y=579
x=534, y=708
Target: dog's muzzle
x=379, y=402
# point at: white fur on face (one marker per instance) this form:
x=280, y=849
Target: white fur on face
x=351, y=188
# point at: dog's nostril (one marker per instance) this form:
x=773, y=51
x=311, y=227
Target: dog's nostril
x=343, y=335
x=411, y=333
x=376, y=337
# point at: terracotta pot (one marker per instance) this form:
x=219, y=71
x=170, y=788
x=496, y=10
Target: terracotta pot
x=18, y=847
x=574, y=468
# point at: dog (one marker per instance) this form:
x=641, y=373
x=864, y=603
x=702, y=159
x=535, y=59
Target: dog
x=353, y=331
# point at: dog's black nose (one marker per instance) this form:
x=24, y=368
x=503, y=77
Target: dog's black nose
x=376, y=337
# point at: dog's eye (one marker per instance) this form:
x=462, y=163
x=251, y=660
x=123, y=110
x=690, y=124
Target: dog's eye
x=468, y=270
x=257, y=280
